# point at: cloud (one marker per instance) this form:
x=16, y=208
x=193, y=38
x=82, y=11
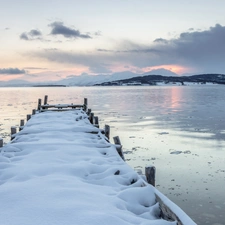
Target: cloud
x=98, y=33
x=35, y=68
x=12, y=71
x=203, y=51
x=58, y=28
x=161, y=40
x=200, y=49
x=100, y=68
x=31, y=35
x=34, y=33
x=24, y=36
x=94, y=62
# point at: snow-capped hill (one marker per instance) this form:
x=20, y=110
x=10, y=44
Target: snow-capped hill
x=124, y=75
x=161, y=71
x=15, y=83
x=88, y=80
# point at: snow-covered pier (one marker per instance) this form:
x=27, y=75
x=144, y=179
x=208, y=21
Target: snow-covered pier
x=60, y=168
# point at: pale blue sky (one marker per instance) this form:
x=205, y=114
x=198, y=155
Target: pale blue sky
x=52, y=39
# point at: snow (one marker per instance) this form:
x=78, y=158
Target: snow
x=185, y=84
x=60, y=169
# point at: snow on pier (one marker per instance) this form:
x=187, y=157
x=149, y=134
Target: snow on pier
x=61, y=169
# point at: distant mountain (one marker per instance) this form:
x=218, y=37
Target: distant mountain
x=83, y=79
x=15, y=83
x=149, y=78
x=158, y=79
x=161, y=71
x=89, y=80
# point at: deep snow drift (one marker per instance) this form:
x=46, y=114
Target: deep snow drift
x=60, y=169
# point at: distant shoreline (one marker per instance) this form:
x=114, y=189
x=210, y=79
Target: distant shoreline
x=49, y=85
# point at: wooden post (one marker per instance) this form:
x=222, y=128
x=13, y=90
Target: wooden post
x=39, y=104
x=107, y=131
x=46, y=100
x=150, y=174
x=96, y=121
x=33, y=111
x=21, y=124
x=1, y=142
x=89, y=112
x=91, y=118
x=85, y=104
x=13, y=131
x=28, y=116
x=119, y=146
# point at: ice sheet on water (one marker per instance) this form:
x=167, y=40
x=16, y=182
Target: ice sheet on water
x=175, y=152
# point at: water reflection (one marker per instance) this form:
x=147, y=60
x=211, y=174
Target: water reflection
x=178, y=129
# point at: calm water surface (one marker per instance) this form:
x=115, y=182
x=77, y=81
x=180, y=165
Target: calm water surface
x=179, y=130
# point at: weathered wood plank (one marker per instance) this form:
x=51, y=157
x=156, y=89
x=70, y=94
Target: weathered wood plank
x=167, y=213
x=61, y=106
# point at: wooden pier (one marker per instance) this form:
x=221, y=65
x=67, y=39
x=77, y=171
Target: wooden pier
x=63, y=147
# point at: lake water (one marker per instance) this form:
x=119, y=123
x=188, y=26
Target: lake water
x=180, y=130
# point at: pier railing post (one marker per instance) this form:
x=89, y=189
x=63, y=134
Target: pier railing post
x=96, y=121
x=1, y=142
x=89, y=112
x=85, y=104
x=21, y=124
x=150, y=174
x=91, y=118
x=107, y=131
x=33, y=112
x=39, y=104
x=119, y=146
x=13, y=131
x=46, y=100
x=28, y=116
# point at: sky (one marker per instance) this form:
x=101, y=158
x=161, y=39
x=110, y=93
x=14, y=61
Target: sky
x=50, y=40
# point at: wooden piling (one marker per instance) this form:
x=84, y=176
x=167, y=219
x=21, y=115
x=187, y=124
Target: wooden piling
x=1, y=142
x=21, y=124
x=28, y=116
x=107, y=131
x=91, y=118
x=89, y=112
x=96, y=121
x=39, y=104
x=33, y=111
x=118, y=146
x=85, y=104
x=150, y=174
x=13, y=131
x=46, y=100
